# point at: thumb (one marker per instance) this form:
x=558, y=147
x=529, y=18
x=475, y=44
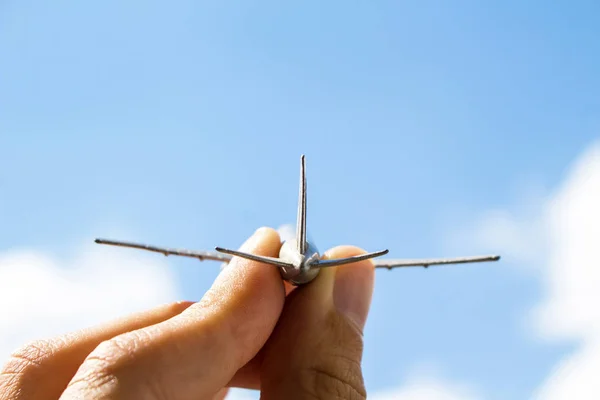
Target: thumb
x=316, y=349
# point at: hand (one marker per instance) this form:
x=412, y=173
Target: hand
x=249, y=330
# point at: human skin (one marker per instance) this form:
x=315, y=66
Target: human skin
x=249, y=330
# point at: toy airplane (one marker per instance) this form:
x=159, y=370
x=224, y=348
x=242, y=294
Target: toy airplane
x=299, y=261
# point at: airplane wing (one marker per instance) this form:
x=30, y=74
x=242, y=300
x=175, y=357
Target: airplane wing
x=200, y=255
x=424, y=262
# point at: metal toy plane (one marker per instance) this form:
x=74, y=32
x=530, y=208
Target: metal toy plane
x=299, y=261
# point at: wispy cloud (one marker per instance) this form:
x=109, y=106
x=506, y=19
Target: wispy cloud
x=422, y=383
x=428, y=385
x=42, y=296
x=570, y=309
x=561, y=235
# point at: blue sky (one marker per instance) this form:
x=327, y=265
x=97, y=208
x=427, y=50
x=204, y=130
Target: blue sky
x=181, y=123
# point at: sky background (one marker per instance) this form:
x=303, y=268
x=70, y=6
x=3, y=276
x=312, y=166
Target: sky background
x=430, y=128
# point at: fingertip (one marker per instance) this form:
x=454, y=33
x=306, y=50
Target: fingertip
x=241, y=272
x=344, y=251
x=258, y=276
x=266, y=230
x=353, y=285
x=365, y=267
x=264, y=238
x=245, y=281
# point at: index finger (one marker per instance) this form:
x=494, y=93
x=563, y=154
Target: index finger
x=196, y=353
x=43, y=368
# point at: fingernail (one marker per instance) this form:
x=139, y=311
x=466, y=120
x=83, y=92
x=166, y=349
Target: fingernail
x=254, y=240
x=353, y=290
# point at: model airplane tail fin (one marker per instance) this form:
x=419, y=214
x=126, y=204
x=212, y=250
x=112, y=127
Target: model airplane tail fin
x=301, y=220
x=264, y=259
x=341, y=261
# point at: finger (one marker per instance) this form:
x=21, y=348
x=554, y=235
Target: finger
x=248, y=377
x=42, y=369
x=195, y=354
x=316, y=349
x=221, y=394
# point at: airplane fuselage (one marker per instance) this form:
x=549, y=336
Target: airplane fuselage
x=300, y=270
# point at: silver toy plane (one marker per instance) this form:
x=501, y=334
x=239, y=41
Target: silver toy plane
x=299, y=261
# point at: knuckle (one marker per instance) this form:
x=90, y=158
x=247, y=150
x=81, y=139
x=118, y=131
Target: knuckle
x=337, y=372
x=339, y=378
x=115, y=370
x=99, y=373
x=26, y=365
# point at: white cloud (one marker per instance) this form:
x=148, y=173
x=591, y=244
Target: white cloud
x=41, y=296
x=423, y=383
x=514, y=236
x=576, y=377
x=571, y=307
x=428, y=388
x=572, y=280
x=563, y=238
x=517, y=233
